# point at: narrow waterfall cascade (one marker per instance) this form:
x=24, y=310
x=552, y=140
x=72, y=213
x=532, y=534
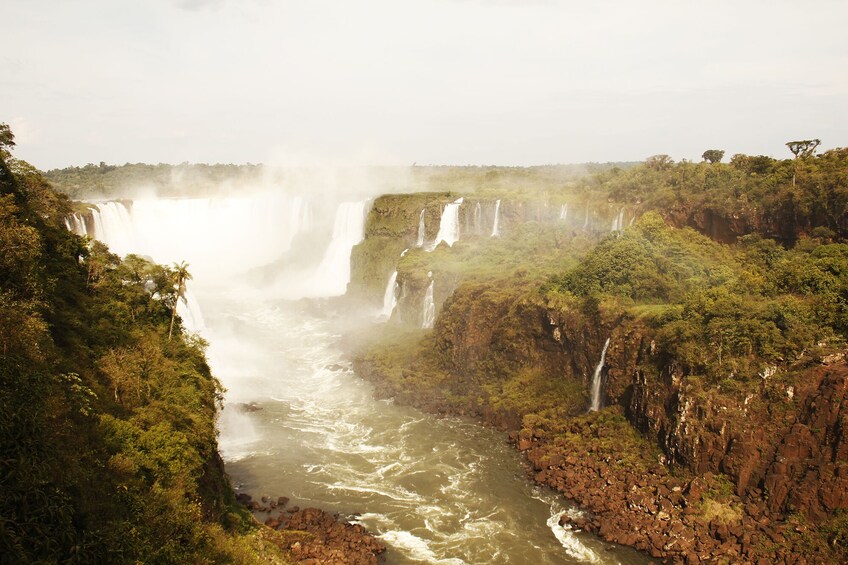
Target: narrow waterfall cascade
x=390, y=297
x=76, y=224
x=618, y=221
x=333, y=273
x=478, y=218
x=188, y=309
x=586, y=221
x=429, y=314
x=563, y=212
x=596, y=379
x=633, y=219
x=496, y=227
x=449, y=225
x=420, y=242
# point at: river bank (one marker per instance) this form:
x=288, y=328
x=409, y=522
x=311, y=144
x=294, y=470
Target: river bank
x=621, y=482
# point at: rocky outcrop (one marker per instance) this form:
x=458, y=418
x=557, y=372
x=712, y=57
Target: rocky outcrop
x=328, y=539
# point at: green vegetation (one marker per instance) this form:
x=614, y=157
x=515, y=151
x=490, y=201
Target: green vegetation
x=719, y=310
x=107, y=435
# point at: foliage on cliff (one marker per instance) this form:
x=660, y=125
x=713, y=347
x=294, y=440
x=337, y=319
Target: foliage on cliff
x=108, y=449
x=720, y=311
x=779, y=198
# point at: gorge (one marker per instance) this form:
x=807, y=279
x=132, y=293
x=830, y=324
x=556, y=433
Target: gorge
x=713, y=374
x=433, y=489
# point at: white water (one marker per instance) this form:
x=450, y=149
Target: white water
x=420, y=242
x=586, y=221
x=563, y=212
x=428, y=316
x=596, y=379
x=390, y=297
x=478, y=218
x=496, y=226
x=449, y=225
x=76, y=224
x=222, y=236
x=618, y=221
x=435, y=490
x=333, y=273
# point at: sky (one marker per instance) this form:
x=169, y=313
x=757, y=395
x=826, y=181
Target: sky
x=454, y=82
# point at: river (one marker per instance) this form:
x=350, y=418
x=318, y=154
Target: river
x=299, y=423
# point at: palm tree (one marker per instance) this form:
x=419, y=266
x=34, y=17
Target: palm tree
x=180, y=275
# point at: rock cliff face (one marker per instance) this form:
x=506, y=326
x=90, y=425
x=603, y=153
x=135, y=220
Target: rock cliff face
x=740, y=470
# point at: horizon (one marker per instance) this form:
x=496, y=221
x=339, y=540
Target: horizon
x=449, y=83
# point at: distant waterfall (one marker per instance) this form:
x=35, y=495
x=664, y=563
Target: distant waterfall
x=563, y=212
x=429, y=317
x=76, y=224
x=586, y=221
x=190, y=313
x=390, y=297
x=215, y=235
x=596, y=379
x=478, y=218
x=618, y=221
x=449, y=225
x=496, y=226
x=420, y=242
x=333, y=273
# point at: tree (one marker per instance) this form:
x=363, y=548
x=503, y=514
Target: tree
x=659, y=162
x=181, y=275
x=713, y=155
x=7, y=141
x=803, y=148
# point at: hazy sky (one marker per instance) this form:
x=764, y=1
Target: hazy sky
x=436, y=81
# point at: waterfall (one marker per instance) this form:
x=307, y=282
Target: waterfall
x=429, y=317
x=215, y=235
x=76, y=224
x=420, y=242
x=390, y=297
x=333, y=273
x=596, y=379
x=586, y=221
x=449, y=225
x=189, y=311
x=563, y=212
x=112, y=224
x=618, y=221
x=478, y=218
x=496, y=227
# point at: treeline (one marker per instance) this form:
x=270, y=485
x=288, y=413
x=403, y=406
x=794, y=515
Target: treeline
x=126, y=181
x=779, y=198
x=108, y=449
x=720, y=312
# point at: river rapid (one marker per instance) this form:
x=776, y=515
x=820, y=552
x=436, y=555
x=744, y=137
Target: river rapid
x=434, y=490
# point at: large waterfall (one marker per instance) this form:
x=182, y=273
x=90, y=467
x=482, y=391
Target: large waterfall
x=449, y=225
x=221, y=236
x=596, y=379
x=333, y=273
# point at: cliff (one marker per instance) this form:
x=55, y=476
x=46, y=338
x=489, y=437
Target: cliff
x=721, y=436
